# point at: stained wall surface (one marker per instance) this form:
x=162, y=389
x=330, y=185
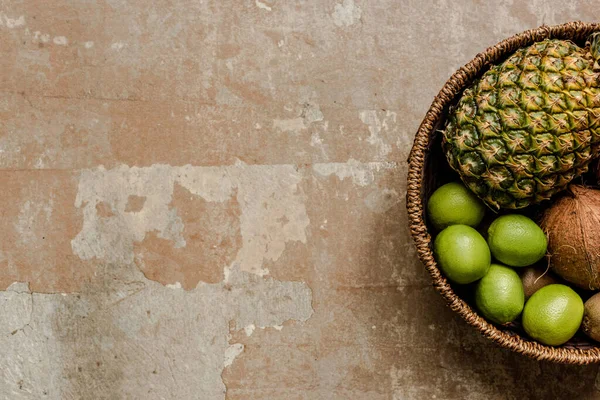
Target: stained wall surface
x=206, y=200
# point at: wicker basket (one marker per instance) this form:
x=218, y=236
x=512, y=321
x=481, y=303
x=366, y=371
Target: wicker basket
x=426, y=157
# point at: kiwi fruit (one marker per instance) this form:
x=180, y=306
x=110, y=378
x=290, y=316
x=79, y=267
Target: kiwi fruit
x=591, y=317
x=536, y=278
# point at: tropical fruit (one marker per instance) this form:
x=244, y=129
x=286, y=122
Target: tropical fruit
x=453, y=204
x=534, y=279
x=573, y=226
x=591, y=317
x=499, y=294
x=462, y=253
x=553, y=314
x=529, y=125
x=516, y=240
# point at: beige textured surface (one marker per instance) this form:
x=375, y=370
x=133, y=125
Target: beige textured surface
x=205, y=200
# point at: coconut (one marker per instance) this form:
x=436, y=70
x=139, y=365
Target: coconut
x=572, y=225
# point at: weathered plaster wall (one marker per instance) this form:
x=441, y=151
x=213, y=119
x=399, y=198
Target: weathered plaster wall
x=205, y=200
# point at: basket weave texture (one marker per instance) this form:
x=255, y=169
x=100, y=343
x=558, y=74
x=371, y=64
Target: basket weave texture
x=422, y=162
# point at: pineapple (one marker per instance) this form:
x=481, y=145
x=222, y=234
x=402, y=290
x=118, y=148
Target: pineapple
x=528, y=126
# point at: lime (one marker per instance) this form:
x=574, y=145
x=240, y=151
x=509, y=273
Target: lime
x=516, y=240
x=453, y=204
x=462, y=253
x=553, y=314
x=499, y=294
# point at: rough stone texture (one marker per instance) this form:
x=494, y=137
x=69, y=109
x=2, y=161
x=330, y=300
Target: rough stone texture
x=205, y=200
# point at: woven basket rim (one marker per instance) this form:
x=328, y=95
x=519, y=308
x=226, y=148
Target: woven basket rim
x=576, y=30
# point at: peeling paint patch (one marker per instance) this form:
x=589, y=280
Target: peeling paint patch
x=289, y=125
x=311, y=113
x=272, y=208
x=176, y=285
x=118, y=46
x=376, y=125
x=362, y=174
x=226, y=274
x=12, y=23
x=249, y=329
x=112, y=238
x=346, y=13
x=262, y=5
x=60, y=41
x=41, y=37
x=315, y=139
x=231, y=353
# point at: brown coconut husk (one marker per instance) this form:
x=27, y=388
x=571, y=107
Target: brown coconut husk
x=572, y=225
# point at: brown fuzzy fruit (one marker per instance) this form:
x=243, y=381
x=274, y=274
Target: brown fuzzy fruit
x=573, y=228
x=534, y=279
x=591, y=317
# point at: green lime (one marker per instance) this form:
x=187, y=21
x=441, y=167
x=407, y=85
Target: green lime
x=462, y=253
x=553, y=314
x=516, y=240
x=499, y=294
x=453, y=204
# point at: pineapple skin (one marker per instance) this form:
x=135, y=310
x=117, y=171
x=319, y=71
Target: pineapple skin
x=528, y=126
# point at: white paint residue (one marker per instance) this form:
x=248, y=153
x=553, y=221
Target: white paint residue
x=289, y=125
x=118, y=45
x=346, y=13
x=226, y=274
x=88, y=45
x=39, y=163
x=231, y=353
x=262, y=5
x=13, y=22
x=278, y=327
x=112, y=238
x=315, y=139
x=60, y=41
x=362, y=174
x=211, y=183
x=41, y=37
x=273, y=213
x=272, y=208
x=312, y=113
x=376, y=127
x=249, y=329
x=176, y=285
